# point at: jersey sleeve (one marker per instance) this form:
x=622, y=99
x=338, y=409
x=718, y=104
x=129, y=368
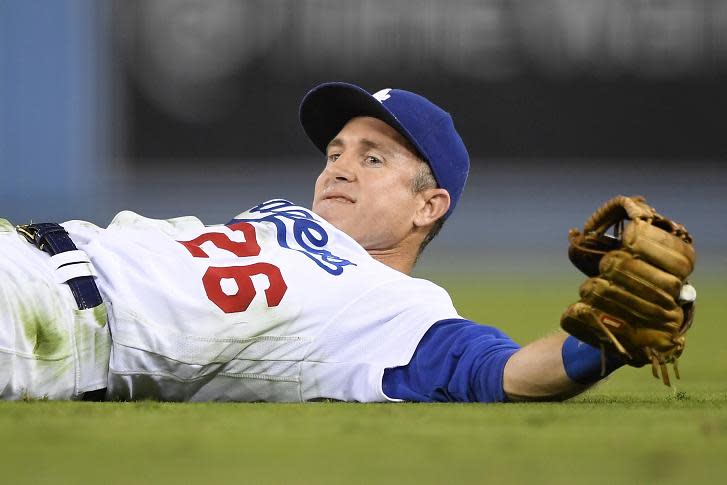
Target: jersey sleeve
x=457, y=360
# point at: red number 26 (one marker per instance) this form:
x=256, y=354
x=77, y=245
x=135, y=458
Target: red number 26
x=212, y=279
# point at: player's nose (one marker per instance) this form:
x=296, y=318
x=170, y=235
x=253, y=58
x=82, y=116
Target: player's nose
x=343, y=169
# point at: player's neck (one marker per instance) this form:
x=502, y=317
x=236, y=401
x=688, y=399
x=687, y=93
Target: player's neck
x=393, y=260
x=401, y=257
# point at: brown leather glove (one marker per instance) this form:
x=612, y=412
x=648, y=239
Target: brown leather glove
x=637, y=301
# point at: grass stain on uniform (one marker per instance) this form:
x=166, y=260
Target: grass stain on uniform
x=100, y=315
x=102, y=338
x=92, y=336
x=48, y=338
x=6, y=226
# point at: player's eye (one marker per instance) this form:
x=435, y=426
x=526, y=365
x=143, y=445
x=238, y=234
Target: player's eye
x=332, y=157
x=371, y=160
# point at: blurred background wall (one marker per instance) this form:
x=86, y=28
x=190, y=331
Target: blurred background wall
x=172, y=107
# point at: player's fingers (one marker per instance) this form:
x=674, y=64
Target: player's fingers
x=641, y=278
x=660, y=248
x=615, y=300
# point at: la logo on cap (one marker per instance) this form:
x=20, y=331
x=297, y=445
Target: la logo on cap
x=382, y=95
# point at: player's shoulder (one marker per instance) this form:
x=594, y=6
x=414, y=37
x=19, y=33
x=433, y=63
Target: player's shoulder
x=431, y=288
x=405, y=288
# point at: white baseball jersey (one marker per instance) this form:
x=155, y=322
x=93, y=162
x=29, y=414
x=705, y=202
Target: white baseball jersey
x=277, y=305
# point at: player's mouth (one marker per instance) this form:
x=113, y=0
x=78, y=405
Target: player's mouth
x=339, y=197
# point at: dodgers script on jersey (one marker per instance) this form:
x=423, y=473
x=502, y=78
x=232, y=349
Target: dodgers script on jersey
x=276, y=305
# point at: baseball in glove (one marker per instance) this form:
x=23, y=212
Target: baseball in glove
x=637, y=302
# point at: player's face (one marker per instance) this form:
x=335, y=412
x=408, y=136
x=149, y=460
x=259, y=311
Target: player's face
x=365, y=189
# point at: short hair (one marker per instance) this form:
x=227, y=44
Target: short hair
x=423, y=180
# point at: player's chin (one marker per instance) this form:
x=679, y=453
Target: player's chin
x=333, y=210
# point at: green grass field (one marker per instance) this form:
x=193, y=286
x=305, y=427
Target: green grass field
x=631, y=429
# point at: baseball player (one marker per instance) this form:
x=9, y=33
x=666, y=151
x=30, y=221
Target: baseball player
x=284, y=303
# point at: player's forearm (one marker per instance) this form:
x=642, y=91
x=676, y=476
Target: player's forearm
x=536, y=372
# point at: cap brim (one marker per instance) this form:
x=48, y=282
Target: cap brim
x=328, y=107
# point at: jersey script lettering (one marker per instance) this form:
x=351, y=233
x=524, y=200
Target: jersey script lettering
x=310, y=237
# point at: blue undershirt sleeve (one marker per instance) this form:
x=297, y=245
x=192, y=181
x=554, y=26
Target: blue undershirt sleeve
x=585, y=364
x=456, y=360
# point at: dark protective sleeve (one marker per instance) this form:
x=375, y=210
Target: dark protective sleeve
x=456, y=360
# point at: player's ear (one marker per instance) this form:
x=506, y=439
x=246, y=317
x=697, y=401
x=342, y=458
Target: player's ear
x=433, y=205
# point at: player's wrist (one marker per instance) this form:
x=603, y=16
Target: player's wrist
x=585, y=364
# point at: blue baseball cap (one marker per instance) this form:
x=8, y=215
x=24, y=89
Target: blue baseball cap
x=329, y=106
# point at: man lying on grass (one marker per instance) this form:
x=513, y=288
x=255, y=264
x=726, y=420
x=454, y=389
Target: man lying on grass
x=281, y=303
